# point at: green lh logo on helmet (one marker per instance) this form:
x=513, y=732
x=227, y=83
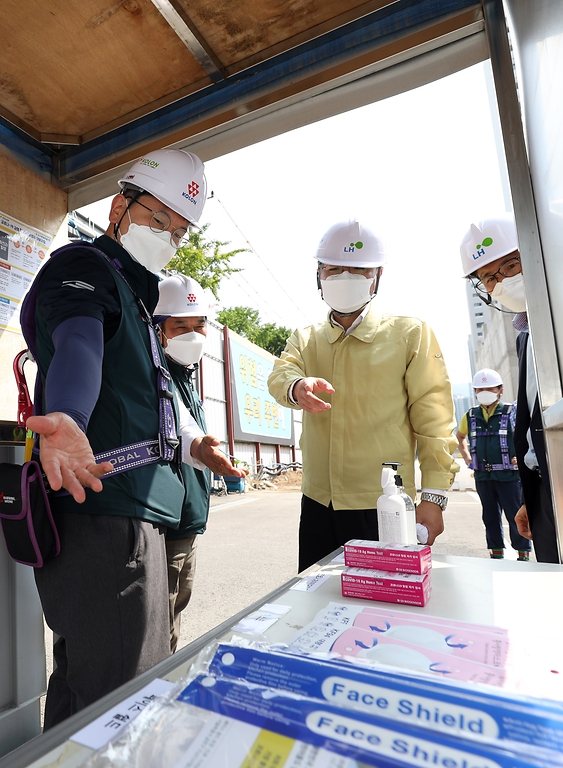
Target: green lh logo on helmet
x=359, y=245
x=481, y=247
x=150, y=163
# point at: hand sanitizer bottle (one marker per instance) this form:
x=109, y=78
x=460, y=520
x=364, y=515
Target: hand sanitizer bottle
x=396, y=514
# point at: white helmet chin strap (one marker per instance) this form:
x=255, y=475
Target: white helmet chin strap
x=487, y=299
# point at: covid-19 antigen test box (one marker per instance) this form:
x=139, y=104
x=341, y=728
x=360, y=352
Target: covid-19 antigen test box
x=388, y=556
x=403, y=588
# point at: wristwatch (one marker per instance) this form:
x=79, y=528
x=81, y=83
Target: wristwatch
x=441, y=501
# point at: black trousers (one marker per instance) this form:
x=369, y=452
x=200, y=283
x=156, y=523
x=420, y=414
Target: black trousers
x=542, y=521
x=106, y=596
x=497, y=496
x=324, y=529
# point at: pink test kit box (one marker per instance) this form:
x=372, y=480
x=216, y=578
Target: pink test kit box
x=403, y=588
x=388, y=556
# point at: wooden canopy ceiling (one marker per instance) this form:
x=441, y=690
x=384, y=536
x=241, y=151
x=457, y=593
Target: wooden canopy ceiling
x=86, y=86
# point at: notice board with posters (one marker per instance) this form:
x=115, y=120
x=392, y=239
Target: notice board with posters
x=257, y=417
x=22, y=252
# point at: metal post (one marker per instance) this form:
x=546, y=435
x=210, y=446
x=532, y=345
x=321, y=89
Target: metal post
x=228, y=391
x=540, y=316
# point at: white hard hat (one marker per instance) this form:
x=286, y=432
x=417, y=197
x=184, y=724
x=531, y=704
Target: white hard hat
x=350, y=244
x=174, y=177
x=486, y=377
x=181, y=296
x=486, y=241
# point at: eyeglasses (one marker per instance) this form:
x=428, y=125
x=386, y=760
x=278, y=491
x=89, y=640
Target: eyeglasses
x=160, y=222
x=330, y=269
x=510, y=268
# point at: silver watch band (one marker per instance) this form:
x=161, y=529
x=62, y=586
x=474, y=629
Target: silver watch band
x=441, y=501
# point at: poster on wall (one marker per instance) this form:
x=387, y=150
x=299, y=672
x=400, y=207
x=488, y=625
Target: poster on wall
x=22, y=252
x=257, y=416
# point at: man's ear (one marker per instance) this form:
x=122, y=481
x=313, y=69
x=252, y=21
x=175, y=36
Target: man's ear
x=118, y=208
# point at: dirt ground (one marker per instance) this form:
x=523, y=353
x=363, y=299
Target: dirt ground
x=289, y=481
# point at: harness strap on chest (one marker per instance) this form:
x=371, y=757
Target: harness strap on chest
x=501, y=433
x=167, y=446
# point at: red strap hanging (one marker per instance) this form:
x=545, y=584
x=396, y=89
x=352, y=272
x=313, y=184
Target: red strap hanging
x=25, y=406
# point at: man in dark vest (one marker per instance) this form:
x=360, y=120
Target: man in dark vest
x=182, y=315
x=104, y=395
x=486, y=445
x=491, y=260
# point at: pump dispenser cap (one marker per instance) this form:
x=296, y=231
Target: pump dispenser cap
x=395, y=465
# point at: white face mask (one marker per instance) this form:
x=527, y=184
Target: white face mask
x=511, y=294
x=152, y=250
x=186, y=349
x=346, y=292
x=487, y=398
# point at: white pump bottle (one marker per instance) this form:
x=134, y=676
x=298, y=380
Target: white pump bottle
x=396, y=513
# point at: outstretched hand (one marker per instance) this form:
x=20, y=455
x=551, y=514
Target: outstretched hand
x=66, y=456
x=205, y=449
x=304, y=393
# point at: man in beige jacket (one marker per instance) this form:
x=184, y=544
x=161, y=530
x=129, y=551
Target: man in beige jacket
x=374, y=388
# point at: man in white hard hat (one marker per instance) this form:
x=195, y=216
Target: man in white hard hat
x=491, y=454
x=104, y=396
x=181, y=313
x=374, y=389
x=491, y=260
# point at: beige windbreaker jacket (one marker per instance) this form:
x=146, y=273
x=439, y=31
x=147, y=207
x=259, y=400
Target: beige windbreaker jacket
x=392, y=397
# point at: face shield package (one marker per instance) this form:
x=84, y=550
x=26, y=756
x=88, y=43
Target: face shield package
x=177, y=735
x=366, y=738
x=249, y=704
x=480, y=712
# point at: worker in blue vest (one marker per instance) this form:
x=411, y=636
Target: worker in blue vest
x=104, y=404
x=486, y=444
x=181, y=313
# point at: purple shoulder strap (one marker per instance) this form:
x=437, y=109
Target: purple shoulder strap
x=168, y=444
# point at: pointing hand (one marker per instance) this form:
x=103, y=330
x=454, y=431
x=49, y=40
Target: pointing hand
x=304, y=392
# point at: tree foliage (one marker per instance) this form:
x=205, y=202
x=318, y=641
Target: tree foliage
x=246, y=322
x=204, y=260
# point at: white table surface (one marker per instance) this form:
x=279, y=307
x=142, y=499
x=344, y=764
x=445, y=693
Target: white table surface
x=525, y=598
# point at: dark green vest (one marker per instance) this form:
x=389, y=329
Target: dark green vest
x=488, y=445
x=195, y=509
x=126, y=412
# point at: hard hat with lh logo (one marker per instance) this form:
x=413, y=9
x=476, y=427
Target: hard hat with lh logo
x=486, y=241
x=351, y=244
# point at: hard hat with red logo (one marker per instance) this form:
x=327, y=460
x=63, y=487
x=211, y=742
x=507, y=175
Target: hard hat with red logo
x=180, y=296
x=174, y=177
x=486, y=241
x=351, y=244
x=485, y=378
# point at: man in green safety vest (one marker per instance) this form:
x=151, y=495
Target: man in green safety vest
x=104, y=406
x=486, y=444
x=181, y=313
